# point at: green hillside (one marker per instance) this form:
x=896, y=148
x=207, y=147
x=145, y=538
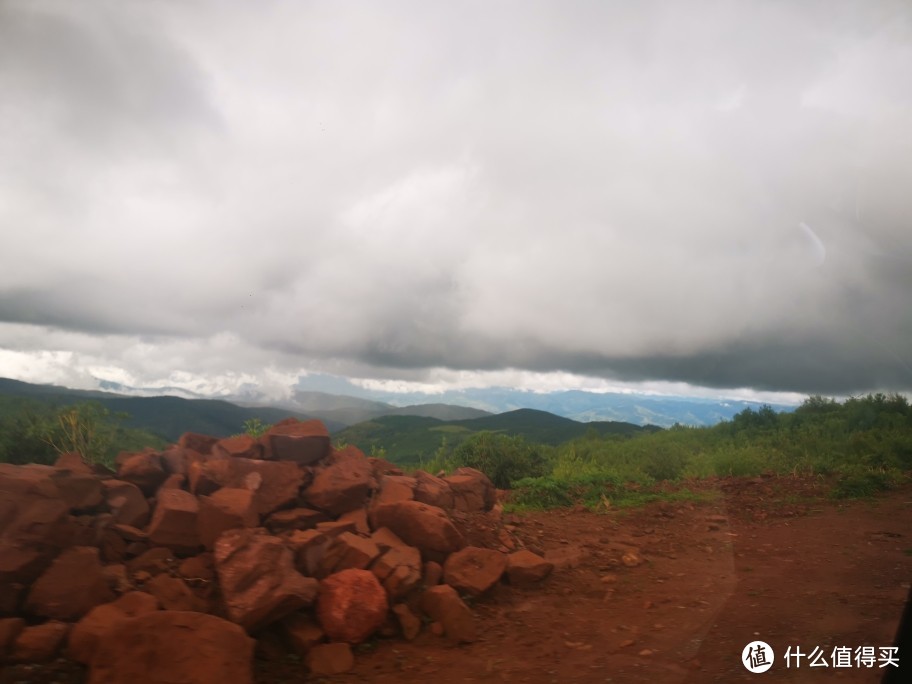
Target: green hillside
x=165, y=417
x=413, y=439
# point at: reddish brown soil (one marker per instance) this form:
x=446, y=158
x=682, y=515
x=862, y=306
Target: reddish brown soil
x=768, y=559
x=787, y=566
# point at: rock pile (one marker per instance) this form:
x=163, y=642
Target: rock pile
x=196, y=557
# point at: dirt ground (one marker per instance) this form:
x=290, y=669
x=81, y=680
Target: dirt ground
x=767, y=559
x=669, y=593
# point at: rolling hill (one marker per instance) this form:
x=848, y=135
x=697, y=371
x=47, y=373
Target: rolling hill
x=410, y=439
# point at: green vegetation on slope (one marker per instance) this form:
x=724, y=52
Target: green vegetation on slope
x=33, y=431
x=414, y=440
x=166, y=417
x=863, y=444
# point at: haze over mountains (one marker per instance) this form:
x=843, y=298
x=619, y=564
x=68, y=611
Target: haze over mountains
x=338, y=400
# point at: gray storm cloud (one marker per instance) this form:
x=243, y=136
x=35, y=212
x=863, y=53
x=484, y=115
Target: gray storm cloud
x=689, y=192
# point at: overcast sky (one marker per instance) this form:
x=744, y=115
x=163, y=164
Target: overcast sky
x=426, y=194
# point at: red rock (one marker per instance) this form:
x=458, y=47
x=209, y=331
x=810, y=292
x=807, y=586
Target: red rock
x=356, y=552
x=399, y=570
x=144, y=470
x=442, y=604
x=154, y=561
x=359, y=518
x=34, y=525
x=116, y=576
x=38, y=644
x=10, y=628
x=472, y=490
x=421, y=525
x=209, y=474
x=226, y=509
x=90, y=630
x=240, y=446
x=334, y=528
x=386, y=539
x=174, y=523
x=343, y=485
x=74, y=584
x=525, y=567
x=303, y=442
x=172, y=594
x=176, y=460
x=330, y=659
x=351, y=606
x=309, y=547
x=174, y=647
x=433, y=491
x=200, y=443
x=80, y=492
x=395, y=488
x=302, y=632
x=433, y=573
x=127, y=503
x=112, y=546
x=409, y=623
x=276, y=484
x=259, y=582
x=74, y=463
x=295, y=519
x=474, y=570
x=380, y=467
x=173, y=481
x=201, y=567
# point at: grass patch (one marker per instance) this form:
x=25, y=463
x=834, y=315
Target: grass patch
x=598, y=492
x=859, y=482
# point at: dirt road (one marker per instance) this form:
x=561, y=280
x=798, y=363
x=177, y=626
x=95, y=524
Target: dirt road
x=769, y=560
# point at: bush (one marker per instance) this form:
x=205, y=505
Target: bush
x=502, y=458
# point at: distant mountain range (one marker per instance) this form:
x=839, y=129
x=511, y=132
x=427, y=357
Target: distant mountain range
x=340, y=402
x=407, y=433
x=639, y=409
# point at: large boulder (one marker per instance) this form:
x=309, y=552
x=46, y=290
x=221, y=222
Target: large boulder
x=420, y=525
x=144, y=470
x=472, y=490
x=474, y=570
x=525, y=567
x=174, y=523
x=226, y=509
x=201, y=444
x=258, y=578
x=303, y=442
x=34, y=526
x=176, y=459
x=343, y=485
x=442, y=604
x=39, y=643
x=80, y=491
x=91, y=629
x=127, y=503
x=274, y=485
x=352, y=605
x=174, y=647
x=74, y=584
x=10, y=629
x=239, y=446
x=433, y=491
x=393, y=488
x=399, y=570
